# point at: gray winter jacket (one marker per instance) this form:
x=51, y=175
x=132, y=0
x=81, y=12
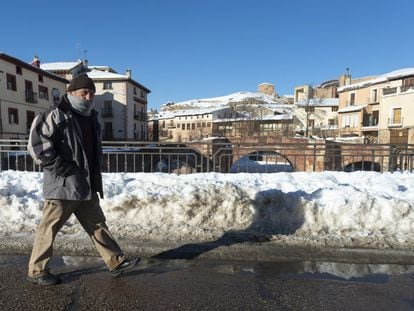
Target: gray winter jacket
x=56, y=144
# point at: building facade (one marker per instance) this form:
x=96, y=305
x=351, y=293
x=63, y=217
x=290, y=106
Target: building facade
x=380, y=108
x=192, y=124
x=120, y=100
x=25, y=91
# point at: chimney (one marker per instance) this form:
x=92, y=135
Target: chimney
x=35, y=62
x=128, y=73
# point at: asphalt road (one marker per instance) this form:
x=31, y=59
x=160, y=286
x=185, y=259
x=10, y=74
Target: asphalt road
x=205, y=284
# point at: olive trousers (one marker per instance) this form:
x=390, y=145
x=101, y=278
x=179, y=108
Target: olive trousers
x=92, y=219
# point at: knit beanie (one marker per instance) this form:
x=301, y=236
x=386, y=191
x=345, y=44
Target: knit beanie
x=81, y=81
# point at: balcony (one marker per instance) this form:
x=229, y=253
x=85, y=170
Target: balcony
x=140, y=116
x=30, y=97
x=406, y=88
x=107, y=134
x=395, y=122
x=369, y=121
x=107, y=113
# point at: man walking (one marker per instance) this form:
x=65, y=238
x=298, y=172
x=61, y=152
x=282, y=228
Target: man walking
x=65, y=141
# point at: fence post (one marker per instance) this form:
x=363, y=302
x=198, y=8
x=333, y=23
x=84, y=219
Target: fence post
x=314, y=157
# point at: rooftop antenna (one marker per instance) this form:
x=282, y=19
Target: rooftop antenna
x=78, y=49
x=84, y=54
x=347, y=71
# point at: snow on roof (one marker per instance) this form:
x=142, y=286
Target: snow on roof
x=102, y=68
x=187, y=112
x=400, y=73
x=352, y=108
x=319, y=102
x=99, y=74
x=59, y=65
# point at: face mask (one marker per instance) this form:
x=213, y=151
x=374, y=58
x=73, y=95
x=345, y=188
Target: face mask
x=80, y=105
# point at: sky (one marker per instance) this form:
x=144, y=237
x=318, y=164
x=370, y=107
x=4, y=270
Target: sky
x=334, y=209
x=188, y=49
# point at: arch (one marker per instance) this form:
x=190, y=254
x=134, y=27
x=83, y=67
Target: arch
x=363, y=166
x=262, y=161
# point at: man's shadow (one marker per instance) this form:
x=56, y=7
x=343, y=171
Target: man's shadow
x=275, y=212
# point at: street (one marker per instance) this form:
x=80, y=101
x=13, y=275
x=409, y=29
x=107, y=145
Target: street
x=200, y=284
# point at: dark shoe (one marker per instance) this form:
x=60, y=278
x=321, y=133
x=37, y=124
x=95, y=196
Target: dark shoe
x=44, y=279
x=125, y=266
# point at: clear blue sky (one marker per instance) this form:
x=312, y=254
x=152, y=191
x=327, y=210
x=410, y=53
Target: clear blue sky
x=185, y=49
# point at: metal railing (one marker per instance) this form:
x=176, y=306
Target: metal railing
x=30, y=96
x=227, y=157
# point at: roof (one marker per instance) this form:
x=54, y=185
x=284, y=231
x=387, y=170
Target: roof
x=352, y=108
x=319, y=102
x=104, y=75
x=30, y=67
x=60, y=66
x=188, y=112
x=102, y=68
x=393, y=75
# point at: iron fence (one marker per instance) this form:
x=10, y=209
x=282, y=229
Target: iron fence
x=227, y=157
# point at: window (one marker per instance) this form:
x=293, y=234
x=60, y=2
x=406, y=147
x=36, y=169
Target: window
x=107, y=110
x=13, y=116
x=135, y=91
x=310, y=109
x=188, y=126
x=331, y=122
x=193, y=126
x=55, y=94
x=375, y=117
x=43, y=92
x=407, y=84
x=350, y=120
x=396, y=116
x=178, y=125
x=311, y=123
x=29, y=119
x=183, y=126
x=40, y=78
x=19, y=70
x=334, y=109
x=107, y=85
x=374, y=96
x=11, y=82
x=389, y=90
x=352, y=99
x=108, y=132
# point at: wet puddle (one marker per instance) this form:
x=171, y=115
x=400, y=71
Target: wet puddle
x=346, y=272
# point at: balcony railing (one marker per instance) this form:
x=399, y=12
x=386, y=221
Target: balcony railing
x=140, y=116
x=395, y=122
x=31, y=97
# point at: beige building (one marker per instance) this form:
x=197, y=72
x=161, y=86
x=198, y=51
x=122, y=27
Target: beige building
x=25, y=91
x=379, y=108
x=191, y=124
x=120, y=100
x=316, y=109
x=316, y=116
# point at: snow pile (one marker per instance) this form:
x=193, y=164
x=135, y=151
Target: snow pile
x=334, y=206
